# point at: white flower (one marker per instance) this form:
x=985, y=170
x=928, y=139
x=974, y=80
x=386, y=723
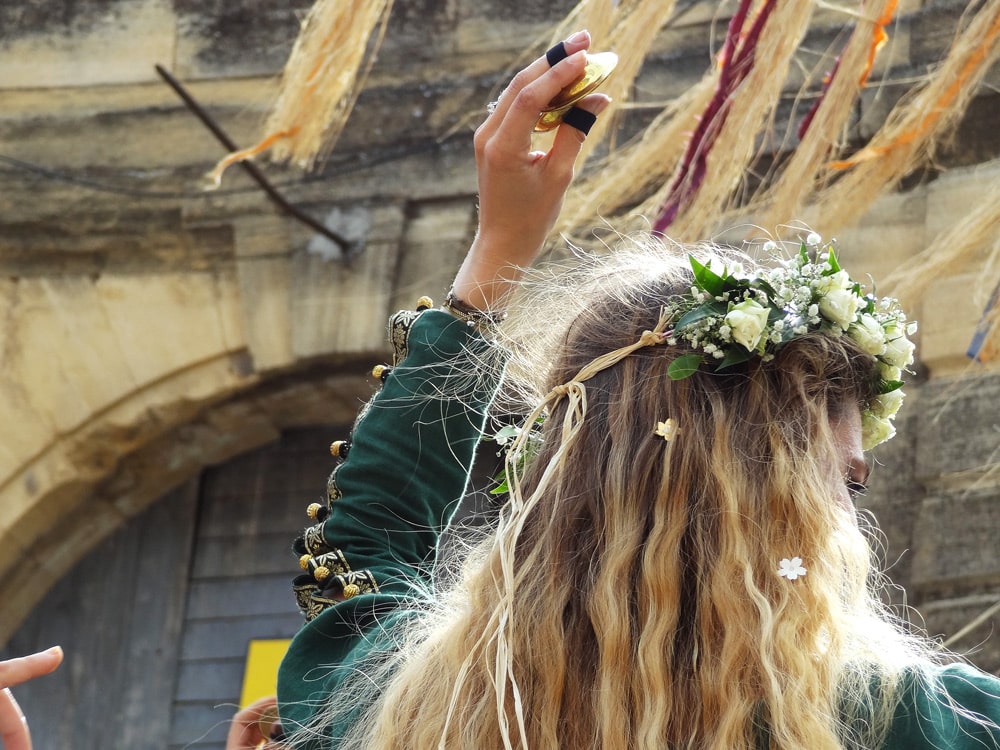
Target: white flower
x=667, y=430
x=875, y=430
x=887, y=404
x=840, y=306
x=791, y=569
x=889, y=372
x=813, y=239
x=835, y=281
x=898, y=348
x=747, y=321
x=869, y=334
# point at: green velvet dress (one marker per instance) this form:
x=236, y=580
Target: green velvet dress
x=370, y=555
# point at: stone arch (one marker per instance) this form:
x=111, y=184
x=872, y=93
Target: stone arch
x=128, y=467
x=117, y=385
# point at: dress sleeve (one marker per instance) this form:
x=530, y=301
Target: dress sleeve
x=402, y=474
x=956, y=708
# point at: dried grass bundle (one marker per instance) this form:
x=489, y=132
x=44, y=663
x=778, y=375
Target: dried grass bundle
x=325, y=72
x=914, y=125
x=635, y=27
x=827, y=122
x=750, y=108
x=640, y=170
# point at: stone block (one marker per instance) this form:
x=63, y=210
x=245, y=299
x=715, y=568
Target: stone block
x=500, y=13
x=435, y=240
x=934, y=29
x=958, y=423
x=333, y=400
x=85, y=44
x=126, y=143
x=668, y=74
x=875, y=103
x=954, y=194
x=221, y=38
x=895, y=495
x=973, y=140
x=941, y=563
x=262, y=246
x=34, y=428
x=163, y=323
x=945, y=338
x=353, y=318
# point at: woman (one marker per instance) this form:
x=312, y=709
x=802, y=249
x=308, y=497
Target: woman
x=679, y=564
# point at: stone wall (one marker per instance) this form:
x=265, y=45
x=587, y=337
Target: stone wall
x=152, y=329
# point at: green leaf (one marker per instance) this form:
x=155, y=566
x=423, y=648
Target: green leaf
x=832, y=261
x=706, y=310
x=803, y=255
x=707, y=279
x=735, y=355
x=684, y=366
x=502, y=488
x=766, y=288
x=888, y=386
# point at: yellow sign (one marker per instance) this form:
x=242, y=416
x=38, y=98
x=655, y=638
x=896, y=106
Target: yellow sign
x=260, y=678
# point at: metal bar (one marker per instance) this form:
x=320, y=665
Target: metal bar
x=249, y=166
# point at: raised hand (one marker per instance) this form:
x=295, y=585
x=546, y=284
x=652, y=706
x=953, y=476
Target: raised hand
x=520, y=190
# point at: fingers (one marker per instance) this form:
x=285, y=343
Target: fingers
x=15, y=671
x=14, y=733
x=574, y=44
x=252, y=725
x=574, y=128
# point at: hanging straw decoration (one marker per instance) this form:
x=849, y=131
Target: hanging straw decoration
x=825, y=123
x=635, y=28
x=324, y=74
x=639, y=170
x=755, y=64
x=913, y=126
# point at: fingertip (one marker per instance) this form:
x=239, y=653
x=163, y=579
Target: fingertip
x=578, y=41
x=595, y=103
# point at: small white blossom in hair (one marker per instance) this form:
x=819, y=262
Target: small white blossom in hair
x=667, y=430
x=791, y=569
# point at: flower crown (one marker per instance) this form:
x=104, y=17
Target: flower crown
x=730, y=317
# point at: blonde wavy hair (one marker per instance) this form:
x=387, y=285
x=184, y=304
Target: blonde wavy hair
x=630, y=596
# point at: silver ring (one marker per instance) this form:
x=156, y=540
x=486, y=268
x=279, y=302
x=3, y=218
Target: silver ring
x=492, y=107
